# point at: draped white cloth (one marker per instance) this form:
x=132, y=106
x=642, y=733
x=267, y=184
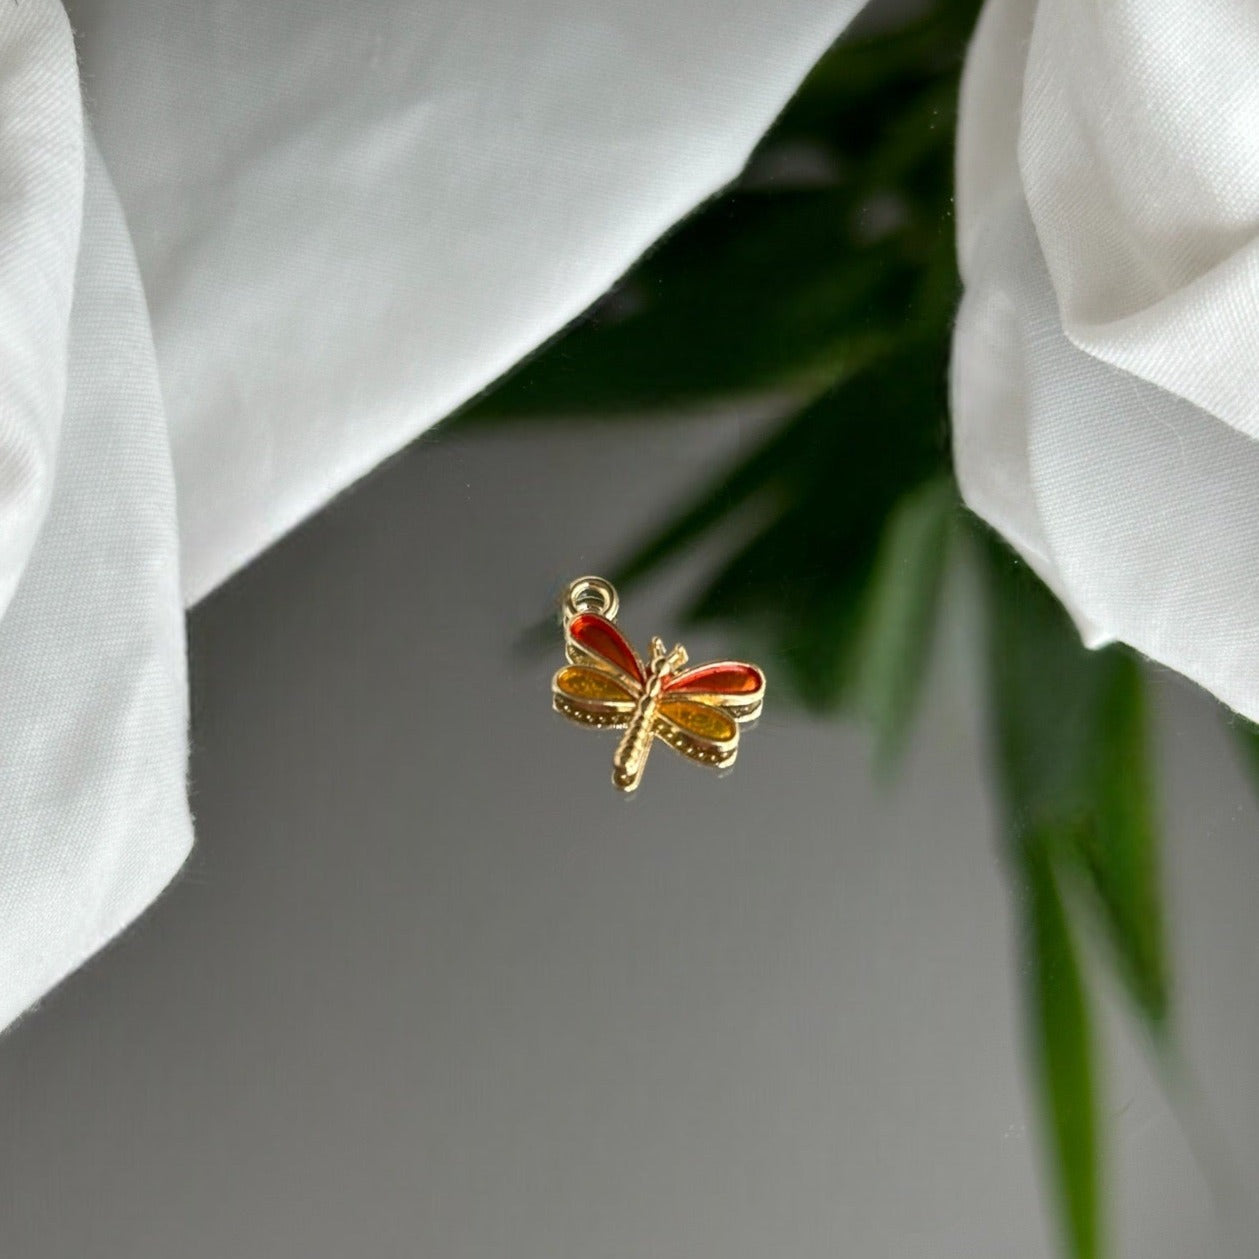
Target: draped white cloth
x=333, y=223
x=93, y=709
x=1106, y=358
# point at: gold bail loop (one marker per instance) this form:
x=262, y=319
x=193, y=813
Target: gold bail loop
x=590, y=594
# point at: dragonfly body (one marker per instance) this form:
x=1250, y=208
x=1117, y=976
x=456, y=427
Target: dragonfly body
x=631, y=755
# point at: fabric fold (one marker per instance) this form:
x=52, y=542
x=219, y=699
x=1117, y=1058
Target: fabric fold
x=1139, y=508
x=41, y=206
x=93, y=803
x=1139, y=156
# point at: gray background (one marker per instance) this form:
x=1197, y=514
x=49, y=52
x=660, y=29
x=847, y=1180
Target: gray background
x=428, y=987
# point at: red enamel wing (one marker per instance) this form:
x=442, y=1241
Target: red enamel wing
x=696, y=711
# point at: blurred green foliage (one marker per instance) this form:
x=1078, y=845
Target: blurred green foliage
x=1073, y=770
x=826, y=277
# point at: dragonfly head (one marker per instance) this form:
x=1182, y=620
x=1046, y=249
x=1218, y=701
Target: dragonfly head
x=665, y=662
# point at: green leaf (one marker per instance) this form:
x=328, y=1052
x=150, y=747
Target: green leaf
x=1074, y=760
x=843, y=458
x=1061, y=1047
x=1073, y=766
x=1247, y=735
x=902, y=607
x=1120, y=846
x=1044, y=699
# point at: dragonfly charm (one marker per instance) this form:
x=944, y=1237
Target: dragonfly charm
x=696, y=711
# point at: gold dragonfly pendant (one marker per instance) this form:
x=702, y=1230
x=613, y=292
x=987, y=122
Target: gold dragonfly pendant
x=696, y=711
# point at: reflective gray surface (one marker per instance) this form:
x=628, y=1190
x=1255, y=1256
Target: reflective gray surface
x=429, y=987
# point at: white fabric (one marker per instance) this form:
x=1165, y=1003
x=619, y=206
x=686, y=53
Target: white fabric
x=93, y=812
x=348, y=218
x=1106, y=360
x=41, y=203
